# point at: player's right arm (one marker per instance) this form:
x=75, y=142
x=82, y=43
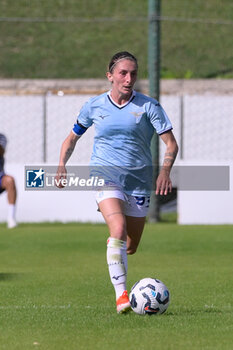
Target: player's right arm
x=68, y=145
x=67, y=149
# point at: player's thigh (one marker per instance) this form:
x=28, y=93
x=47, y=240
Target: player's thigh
x=112, y=211
x=135, y=226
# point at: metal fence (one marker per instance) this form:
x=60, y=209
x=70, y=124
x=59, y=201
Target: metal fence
x=36, y=125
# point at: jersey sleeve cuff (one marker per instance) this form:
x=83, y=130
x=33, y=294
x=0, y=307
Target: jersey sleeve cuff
x=164, y=131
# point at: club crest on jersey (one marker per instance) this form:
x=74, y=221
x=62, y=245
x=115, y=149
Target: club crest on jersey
x=138, y=116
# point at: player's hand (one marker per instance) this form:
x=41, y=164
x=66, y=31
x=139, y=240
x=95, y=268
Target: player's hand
x=163, y=183
x=61, y=174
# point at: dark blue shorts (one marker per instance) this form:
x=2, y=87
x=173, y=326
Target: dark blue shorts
x=1, y=189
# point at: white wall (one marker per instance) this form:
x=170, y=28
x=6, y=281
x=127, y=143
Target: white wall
x=206, y=129
x=36, y=206
x=194, y=207
x=206, y=207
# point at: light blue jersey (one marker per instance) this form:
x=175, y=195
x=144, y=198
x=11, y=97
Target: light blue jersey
x=123, y=133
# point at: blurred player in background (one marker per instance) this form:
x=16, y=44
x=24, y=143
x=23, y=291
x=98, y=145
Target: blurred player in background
x=7, y=183
x=125, y=121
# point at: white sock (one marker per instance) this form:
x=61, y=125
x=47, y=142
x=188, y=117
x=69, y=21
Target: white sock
x=117, y=264
x=11, y=211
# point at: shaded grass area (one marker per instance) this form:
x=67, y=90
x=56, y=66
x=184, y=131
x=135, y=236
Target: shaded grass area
x=77, y=49
x=55, y=291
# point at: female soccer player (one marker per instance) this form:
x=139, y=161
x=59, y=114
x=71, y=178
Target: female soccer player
x=7, y=183
x=125, y=121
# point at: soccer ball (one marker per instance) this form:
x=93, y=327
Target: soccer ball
x=149, y=296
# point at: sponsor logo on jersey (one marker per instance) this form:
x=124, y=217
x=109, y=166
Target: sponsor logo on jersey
x=102, y=116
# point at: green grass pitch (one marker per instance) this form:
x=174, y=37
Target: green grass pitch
x=55, y=292
x=71, y=50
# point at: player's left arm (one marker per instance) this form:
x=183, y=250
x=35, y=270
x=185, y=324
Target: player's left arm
x=163, y=183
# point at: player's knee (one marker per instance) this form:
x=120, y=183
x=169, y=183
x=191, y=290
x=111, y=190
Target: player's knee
x=8, y=182
x=119, y=232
